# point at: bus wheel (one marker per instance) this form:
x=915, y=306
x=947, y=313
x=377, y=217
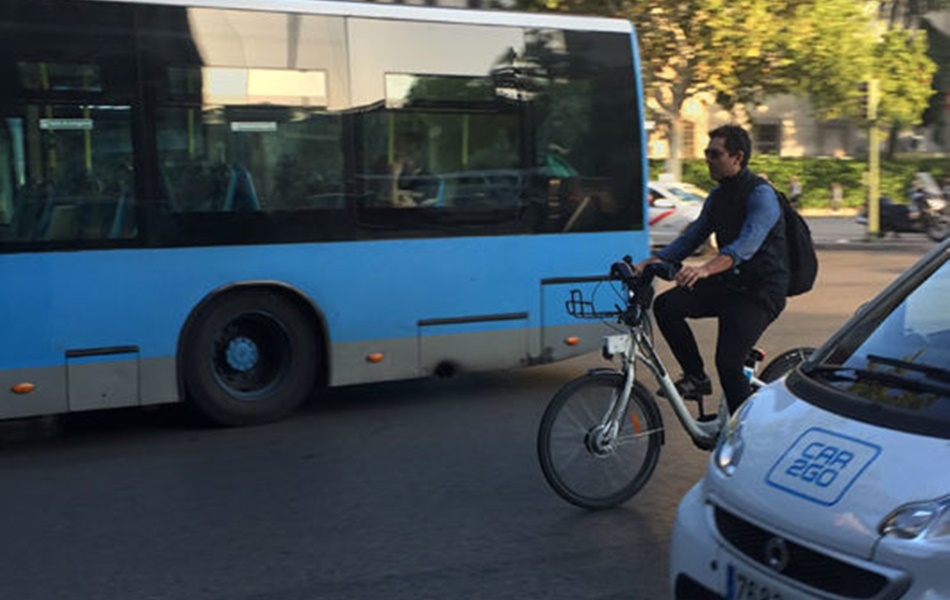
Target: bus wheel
x=250, y=357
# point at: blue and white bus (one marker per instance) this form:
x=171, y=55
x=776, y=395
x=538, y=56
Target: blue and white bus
x=239, y=203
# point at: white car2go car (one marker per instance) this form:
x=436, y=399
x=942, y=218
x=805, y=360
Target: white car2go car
x=834, y=482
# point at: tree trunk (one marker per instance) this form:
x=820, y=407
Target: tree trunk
x=891, y=143
x=674, y=163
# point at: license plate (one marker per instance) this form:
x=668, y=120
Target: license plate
x=740, y=585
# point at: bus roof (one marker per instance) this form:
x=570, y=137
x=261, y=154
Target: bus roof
x=353, y=8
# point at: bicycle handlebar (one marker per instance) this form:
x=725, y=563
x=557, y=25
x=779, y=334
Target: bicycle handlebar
x=639, y=285
x=623, y=270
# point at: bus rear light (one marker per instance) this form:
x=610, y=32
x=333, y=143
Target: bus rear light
x=23, y=388
x=572, y=340
x=375, y=357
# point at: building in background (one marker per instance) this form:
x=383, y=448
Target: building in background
x=448, y=3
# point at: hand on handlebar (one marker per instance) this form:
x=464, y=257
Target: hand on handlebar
x=641, y=266
x=648, y=268
x=688, y=276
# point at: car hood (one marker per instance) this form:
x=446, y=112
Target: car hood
x=814, y=475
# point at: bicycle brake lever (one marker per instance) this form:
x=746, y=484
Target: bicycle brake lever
x=623, y=271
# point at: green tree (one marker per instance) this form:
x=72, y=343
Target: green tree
x=910, y=15
x=841, y=44
x=905, y=72
x=831, y=55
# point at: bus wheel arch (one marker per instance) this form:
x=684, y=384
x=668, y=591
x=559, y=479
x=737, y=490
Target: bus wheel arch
x=242, y=354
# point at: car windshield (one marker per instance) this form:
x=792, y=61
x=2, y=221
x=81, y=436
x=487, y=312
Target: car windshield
x=898, y=355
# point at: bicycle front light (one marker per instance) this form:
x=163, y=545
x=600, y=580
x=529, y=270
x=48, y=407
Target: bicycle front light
x=729, y=449
x=919, y=520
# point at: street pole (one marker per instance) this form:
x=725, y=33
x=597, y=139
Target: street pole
x=874, y=161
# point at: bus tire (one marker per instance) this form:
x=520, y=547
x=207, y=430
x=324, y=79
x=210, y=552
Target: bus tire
x=250, y=357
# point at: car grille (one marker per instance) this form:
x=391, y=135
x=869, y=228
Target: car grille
x=810, y=568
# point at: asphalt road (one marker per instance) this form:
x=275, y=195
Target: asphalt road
x=835, y=233
x=415, y=490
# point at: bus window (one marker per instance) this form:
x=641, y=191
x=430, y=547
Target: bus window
x=237, y=158
x=68, y=125
x=536, y=140
x=244, y=142
x=7, y=177
x=79, y=174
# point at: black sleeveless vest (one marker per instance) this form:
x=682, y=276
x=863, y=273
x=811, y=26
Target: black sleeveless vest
x=765, y=275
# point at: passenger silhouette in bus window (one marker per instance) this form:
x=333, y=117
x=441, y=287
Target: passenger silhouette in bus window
x=411, y=184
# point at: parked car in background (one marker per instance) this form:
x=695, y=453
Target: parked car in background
x=832, y=483
x=673, y=206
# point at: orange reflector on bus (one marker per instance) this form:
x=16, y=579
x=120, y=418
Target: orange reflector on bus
x=572, y=340
x=375, y=357
x=23, y=388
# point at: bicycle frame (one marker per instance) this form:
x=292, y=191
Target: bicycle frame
x=639, y=347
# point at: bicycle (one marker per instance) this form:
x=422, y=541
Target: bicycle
x=601, y=434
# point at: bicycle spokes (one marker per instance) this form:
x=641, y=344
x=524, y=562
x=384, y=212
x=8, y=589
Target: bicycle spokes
x=592, y=455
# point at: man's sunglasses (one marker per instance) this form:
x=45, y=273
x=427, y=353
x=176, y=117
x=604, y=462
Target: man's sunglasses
x=713, y=153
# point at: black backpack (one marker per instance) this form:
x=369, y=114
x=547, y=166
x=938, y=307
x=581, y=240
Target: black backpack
x=802, y=259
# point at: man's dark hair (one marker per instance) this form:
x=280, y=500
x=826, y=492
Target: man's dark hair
x=736, y=139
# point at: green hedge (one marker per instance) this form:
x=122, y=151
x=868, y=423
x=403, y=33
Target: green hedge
x=817, y=174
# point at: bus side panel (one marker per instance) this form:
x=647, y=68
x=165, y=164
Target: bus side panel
x=564, y=336
x=102, y=380
x=407, y=290
x=350, y=362
x=461, y=347
x=47, y=398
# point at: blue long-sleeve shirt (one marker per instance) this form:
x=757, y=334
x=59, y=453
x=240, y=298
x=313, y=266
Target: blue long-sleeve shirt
x=762, y=213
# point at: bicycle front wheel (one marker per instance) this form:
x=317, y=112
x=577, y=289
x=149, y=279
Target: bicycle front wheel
x=585, y=465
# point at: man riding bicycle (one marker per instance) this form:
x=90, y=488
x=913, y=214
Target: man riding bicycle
x=743, y=286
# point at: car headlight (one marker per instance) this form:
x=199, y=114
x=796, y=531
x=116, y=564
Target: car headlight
x=928, y=519
x=729, y=449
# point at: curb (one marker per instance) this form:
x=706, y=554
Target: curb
x=861, y=245
x=827, y=212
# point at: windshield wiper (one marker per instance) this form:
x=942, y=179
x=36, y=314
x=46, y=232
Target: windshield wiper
x=844, y=373
x=938, y=373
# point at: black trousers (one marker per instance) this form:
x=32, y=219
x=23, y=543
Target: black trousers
x=742, y=320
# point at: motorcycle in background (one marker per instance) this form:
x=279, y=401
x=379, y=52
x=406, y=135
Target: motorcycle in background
x=926, y=211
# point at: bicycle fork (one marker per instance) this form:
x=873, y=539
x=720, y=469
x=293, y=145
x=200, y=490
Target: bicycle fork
x=602, y=438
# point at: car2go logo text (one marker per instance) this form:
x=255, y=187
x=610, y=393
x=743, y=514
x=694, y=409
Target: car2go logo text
x=821, y=465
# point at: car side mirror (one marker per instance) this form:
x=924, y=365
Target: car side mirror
x=663, y=203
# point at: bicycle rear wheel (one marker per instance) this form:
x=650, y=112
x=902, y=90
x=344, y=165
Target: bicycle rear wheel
x=578, y=463
x=783, y=364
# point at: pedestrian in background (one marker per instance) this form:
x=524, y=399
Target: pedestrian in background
x=794, y=191
x=835, y=196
